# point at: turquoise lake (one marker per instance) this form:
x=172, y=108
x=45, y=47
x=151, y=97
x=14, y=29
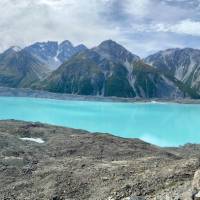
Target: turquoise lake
x=163, y=124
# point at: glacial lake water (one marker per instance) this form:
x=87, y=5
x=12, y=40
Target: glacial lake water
x=163, y=124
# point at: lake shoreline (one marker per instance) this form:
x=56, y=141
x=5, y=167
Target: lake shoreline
x=25, y=92
x=66, y=112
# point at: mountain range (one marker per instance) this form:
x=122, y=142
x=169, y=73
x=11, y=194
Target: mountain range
x=53, y=54
x=106, y=70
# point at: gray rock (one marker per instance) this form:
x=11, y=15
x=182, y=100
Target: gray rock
x=184, y=64
x=196, y=181
x=77, y=165
x=197, y=196
x=54, y=54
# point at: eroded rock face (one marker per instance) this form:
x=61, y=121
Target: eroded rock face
x=77, y=165
x=196, y=180
x=196, y=185
x=52, y=53
x=184, y=64
x=193, y=192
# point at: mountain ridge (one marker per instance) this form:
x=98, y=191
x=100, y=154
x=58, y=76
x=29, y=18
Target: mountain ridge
x=111, y=70
x=183, y=64
x=18, y=68
x=53, y=53
x=110, y=76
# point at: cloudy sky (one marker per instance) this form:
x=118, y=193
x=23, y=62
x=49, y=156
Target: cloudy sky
x=143, y=26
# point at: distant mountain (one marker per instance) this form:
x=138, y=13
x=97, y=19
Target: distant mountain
x=18, y=68
x=183, y=64
x=115, y=52
x=106, y=70
x=54, y=54
x=111, y=70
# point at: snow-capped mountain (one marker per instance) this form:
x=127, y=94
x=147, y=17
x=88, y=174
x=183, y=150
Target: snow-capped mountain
x=53, y=53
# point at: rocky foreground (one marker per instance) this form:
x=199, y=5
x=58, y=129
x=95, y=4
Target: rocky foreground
x=77, y=165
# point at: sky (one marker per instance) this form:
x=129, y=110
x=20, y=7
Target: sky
x=142, y=26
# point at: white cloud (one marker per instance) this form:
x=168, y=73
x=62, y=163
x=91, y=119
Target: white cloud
x=183, y=27
x=138, y=8
x=25, y=21
x=186, y=27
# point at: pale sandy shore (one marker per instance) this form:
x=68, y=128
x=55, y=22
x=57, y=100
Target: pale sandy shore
x=22, y=92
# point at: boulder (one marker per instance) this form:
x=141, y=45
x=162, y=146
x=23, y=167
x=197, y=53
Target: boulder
x=188, y=195
x=196, y=181
x=197, y=196
x=134, y=198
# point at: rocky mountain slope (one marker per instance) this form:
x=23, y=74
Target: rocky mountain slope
x=106, y=70
x=183, y=64
x=111, y=70
x=114, y=52
x=61, y=163
x=18, y=68
x=54, y=54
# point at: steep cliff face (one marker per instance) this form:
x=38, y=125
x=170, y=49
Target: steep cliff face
x=183, y=64
x=53, y=53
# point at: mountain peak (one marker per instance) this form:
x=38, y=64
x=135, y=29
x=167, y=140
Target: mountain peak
x=66, y=43
x=15, y=48
x=115, y=52
x=81, y=47
x=109, y=44
x=183, y=64
x=114, y=48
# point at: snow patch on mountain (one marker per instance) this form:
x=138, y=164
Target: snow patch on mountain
x=37, y=140
x=53, y=53
x=16, y=48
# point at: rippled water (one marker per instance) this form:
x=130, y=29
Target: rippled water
x=161, y=124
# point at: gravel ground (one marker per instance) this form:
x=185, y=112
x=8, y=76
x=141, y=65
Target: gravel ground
x=78, y=165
